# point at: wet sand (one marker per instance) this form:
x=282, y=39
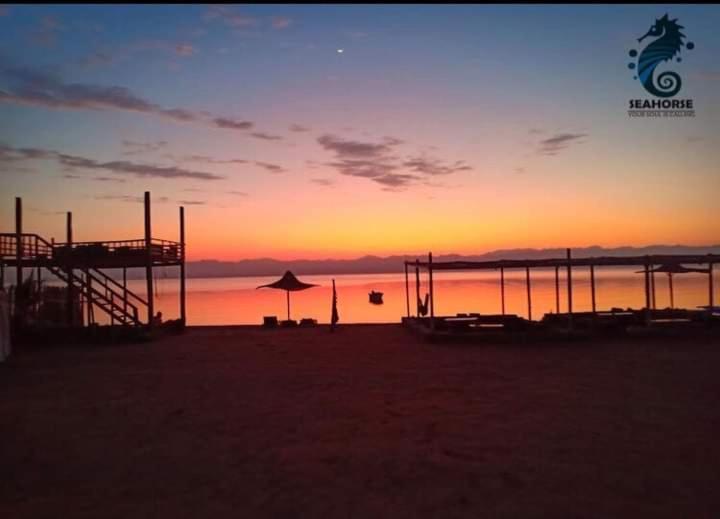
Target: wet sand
x=366, y=422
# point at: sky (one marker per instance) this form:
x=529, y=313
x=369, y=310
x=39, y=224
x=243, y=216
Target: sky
x=293, y=131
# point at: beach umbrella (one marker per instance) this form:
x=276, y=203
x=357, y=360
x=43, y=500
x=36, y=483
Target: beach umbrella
x=289, y=283
x=674, y=269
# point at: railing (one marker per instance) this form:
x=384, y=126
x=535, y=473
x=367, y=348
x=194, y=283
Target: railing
x=31, y=246
x=162, y=250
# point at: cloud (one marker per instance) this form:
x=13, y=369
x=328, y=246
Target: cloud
x=208, y=160
x=131, y=198
x=118, y=167
x=30, y=87
x=238, y=193
x=228, y=16
x=272, y=168
x=280, y=22
x=322, y=181
x=233, y=124
x=298, y=128
x=134, y=147
x=185, y=49
x=379, y=163
x=266, y=136
x=432, y=166
x=353, y=149
x=192, y=202
x=553, y=145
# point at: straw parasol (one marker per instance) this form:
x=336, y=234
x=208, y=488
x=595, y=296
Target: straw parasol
x=289, y=283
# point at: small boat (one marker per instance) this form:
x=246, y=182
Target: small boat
x=376, y=297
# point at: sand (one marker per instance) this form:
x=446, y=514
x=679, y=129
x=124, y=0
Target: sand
x=368, y=422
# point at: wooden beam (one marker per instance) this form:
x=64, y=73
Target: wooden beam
x=417, y=287
x=557, y=289
x=183, y=308
x=592, y=287
x=125, y=293
x=407, y=290
x=148, y=260
x=502, y=290
x=19, y=308
x=70, y=285
x=432, y=295
x=529, y=297
x=568, y=253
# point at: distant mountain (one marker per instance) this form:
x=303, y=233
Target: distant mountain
x=390, y=264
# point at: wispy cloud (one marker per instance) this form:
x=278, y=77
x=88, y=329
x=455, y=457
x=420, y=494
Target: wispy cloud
x=272, y=168
x=30, y=87
x=322, y=181
x=130, y=198
x=266, y=136
x=207, y=160
x=135, y=147
x=229, y=16
x=555, y=144
x=298, y=128
x=192, y=202
x=9, y=154
x=237, y=193
x=378, y=161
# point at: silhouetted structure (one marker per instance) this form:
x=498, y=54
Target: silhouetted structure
x=667, y=263
x=289, y=283
x=81, y=266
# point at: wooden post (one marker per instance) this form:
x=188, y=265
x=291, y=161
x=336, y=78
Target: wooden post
x=407, y=290
x=710, y=287
x=670, y=287
x=288, y=303
x=569, y=286
x=417, y=286
x=90, y=313
x=502, y=290
x=592, y=286
x=148, y=260
x=183, y=315
x=557, y=289
x=529, y=297
x=68, y=255
x=647, y=292
x=432, y=295
x=652, y=285
x=19, y=308
x=125, y=293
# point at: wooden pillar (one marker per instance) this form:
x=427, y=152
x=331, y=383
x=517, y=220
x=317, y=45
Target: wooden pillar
x=557, y=289
x=183, y=316
x=68, y=256
x=710, y=287
x=647, y=292
x=502, y=290
x=90, y=313
x=652, y=286
x=148, y=260
x=417, y=287
x=19, y=308
x=432, y=294
x=592, y=287
x=670, y=288
x=407, y=290
x=529, y=297
x=569, y=286
x=125, y=293
x=288, y=304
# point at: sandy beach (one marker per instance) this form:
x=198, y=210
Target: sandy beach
x=366, y=422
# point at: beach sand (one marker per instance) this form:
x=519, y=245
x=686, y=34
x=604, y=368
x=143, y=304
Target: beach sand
x=366, y=422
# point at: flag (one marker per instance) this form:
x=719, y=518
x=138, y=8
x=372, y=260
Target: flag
x=334, y=317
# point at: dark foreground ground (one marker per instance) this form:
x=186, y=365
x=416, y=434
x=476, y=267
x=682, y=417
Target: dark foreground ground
x=367, y=422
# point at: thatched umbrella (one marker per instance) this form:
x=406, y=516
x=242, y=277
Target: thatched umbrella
x=289, y=283
x=674, y=269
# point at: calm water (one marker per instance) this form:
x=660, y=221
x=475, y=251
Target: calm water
x=236, y=301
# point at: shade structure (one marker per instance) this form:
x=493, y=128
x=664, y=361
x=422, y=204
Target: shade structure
x=289, y=283
x=674, y=269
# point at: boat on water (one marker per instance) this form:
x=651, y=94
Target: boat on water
x=376, y=297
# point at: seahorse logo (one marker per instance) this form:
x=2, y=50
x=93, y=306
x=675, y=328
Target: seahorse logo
x=668, y=43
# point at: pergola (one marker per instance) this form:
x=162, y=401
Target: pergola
x=668, y=261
